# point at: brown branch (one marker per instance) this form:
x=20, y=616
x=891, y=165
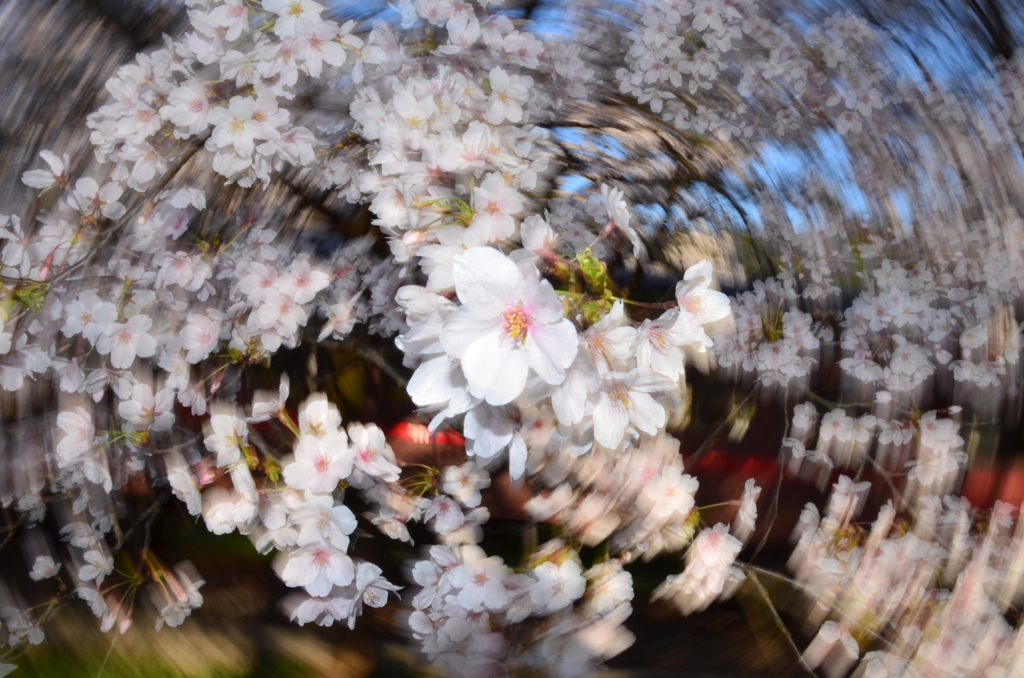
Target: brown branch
x=128, y=217
x=12, y=529
x=133, y=213
x=145, y=519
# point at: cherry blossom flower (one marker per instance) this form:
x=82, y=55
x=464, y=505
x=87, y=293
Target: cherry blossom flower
x=709, y=568
x=557, y=586
x=321, y=521
x=291, y=12
x=446, y=514
x=318, y=416
x=79, y=435
x=625, y=405
x=72, y=377
x=97, y=566
x=314, y=45
x=696, y=300
x=320, y=462
x=318, y=567
x=232, y=15
x=494, y=204
x=16, y=252
x=146, y=412
x=510, y=322
x=90, y=198
x=43, y=568
x=187, y=105
x=200, y=337
x=463, y=483
x=228, y=437
x=236, y=126
x=508, y=94
x=371, y=453
x=618, y=214
x=372, y=587
x=124, y=341
x=44, y=179
x=269, y=404
x=746, y=519
x=89, y=316
x=479, y=580
x=184, y=486
x=323, y=610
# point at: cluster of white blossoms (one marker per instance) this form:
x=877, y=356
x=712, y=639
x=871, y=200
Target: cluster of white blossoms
x=931, y=594
x=452, y=167
x=684, y=53
x=303, y=517
x=467, y=599
x=726, y=68
x=140, y=295
x=909, y=329
x=926, y=590
x=507, y=355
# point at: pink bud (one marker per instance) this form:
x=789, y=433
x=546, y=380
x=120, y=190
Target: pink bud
x=47, y=267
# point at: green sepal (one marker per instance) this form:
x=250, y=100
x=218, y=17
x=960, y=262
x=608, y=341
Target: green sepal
x=32, y=295
x=595, y=272
x=273, y=470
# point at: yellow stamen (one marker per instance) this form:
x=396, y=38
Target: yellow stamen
x=516, y=322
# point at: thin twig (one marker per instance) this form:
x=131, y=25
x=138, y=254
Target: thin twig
x=774, y=508
x=752, y=576
x=824, y=402
x=885, y=476
x=128, y=217
x=132, y=214
x=750, y=570
x=378, y=360
x=13, y=529
x=145, y=518
x=703, y=449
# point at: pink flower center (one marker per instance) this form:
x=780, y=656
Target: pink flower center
x=659, y=337
x=694, y=303
x=516, y=322
x=619, y=397
x=322, y=559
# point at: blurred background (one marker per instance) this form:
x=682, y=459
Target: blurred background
x=722, y=200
